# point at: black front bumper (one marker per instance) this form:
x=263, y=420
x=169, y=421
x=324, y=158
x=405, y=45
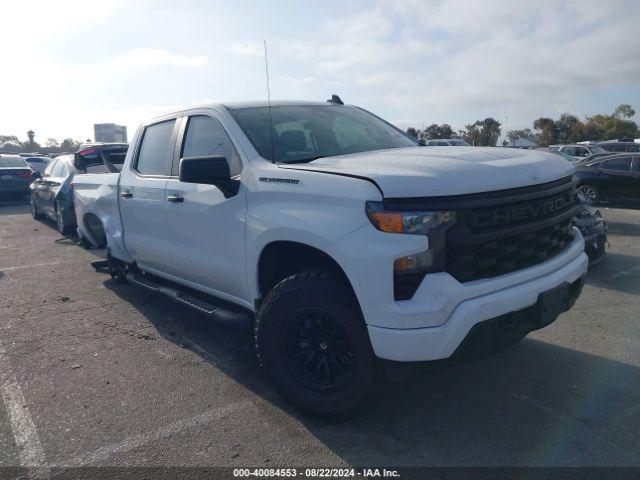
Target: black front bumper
x=491, y=336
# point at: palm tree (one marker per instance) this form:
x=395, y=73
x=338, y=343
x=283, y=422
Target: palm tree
x=31, y=134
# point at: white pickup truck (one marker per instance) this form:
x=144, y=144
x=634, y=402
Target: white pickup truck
x=350, y=246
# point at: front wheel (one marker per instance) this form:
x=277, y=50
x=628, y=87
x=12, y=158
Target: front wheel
x=313, y=344
x=590, y=193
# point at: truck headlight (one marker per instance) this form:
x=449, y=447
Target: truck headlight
x=416, y=223
x=409, y=271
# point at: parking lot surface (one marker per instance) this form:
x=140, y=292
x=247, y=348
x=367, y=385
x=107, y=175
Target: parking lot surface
x=94, y=373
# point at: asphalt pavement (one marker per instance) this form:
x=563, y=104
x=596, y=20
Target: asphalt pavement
x=95, y=373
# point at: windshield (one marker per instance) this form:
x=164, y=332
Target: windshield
x=13, y=162
x=301, y=133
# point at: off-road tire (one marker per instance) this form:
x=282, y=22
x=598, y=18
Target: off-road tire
x=324, y=291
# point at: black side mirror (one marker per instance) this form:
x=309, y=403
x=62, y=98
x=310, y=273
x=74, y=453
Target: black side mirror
x=36, y=174
x=209, y=170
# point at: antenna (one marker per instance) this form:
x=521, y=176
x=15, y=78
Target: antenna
x=266, y=72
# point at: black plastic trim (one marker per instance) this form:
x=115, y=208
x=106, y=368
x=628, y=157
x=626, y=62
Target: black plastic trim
x=482, y=199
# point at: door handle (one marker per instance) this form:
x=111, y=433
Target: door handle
x=175, y=198
x=126, y=194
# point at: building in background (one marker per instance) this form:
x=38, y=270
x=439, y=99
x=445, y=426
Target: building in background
x=109, y=132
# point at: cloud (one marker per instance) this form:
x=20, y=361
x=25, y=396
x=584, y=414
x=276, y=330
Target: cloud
x=247, y=48
x=145, y=58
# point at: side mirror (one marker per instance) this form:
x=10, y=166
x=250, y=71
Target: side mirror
x=209, y=170
x=36, y=174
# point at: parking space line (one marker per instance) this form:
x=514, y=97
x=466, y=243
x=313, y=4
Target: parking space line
x=20, y=267
x=24, y=430
x=7, y=269
x=137, y=441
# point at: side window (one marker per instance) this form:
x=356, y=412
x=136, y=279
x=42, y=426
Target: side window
x=621, y=164
x=49, y=169
x=569, y=151
x=581, y=152
x=155, y=151
x=205, y=136
x=58, y=170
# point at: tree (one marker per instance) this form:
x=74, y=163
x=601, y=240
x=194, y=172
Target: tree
x=514, y=135
x=52, y=143
x=482, y=132
x=434, y=131
x=10, y=143
x=414, y=132
x=624, y=110
x=569, y=129
x=547, y=130
x=68, y=145
x=609, y=127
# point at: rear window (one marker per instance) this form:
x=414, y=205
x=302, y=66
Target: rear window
x=12, y=163
x=155, y=151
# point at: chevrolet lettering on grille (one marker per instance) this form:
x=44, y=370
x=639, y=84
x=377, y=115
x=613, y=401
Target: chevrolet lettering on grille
x=531, y=211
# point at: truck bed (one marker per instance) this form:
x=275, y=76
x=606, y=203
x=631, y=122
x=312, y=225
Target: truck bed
x=95, y=198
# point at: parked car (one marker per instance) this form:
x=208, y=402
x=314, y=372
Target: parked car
x=38, y=163
x=578, y=152
x=613, y=179
x=564, y=155
x=349, y=244
x=620, y=146
x=446, y=142
x=15, y=175
x=594, y=231
x=52, y=195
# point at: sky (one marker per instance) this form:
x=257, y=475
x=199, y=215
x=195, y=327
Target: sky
x=68, y=64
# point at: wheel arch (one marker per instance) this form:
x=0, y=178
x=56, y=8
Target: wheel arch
x=281, y=258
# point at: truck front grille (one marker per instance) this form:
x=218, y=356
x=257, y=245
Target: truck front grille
x=505, y=254
x=503, y=231
x=507, y=236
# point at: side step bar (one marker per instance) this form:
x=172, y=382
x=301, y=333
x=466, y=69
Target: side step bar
x=100, y=266
x=218, y=311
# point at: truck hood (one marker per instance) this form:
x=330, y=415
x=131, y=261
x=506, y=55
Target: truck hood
x=439, y=171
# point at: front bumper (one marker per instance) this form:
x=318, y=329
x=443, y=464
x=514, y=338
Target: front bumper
x=517, y=305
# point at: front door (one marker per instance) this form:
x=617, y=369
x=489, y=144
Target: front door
x=207, y=230
x=141, y=197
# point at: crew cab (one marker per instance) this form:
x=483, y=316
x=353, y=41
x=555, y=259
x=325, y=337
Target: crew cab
x=347, y=244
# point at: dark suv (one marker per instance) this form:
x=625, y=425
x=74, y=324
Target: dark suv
x=620, y=146
x=614, y=179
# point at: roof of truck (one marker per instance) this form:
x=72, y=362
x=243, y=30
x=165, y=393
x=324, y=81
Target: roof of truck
x=273, y=103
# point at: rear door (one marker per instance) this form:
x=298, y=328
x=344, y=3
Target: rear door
x=620, y=178
x=635, y=173
x=141, y=199
x=206, y=229
x=53, y=184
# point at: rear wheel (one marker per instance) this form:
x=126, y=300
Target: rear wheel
x=314, y=346
x=63, y=228
x=35, y=213
x=590, y=193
